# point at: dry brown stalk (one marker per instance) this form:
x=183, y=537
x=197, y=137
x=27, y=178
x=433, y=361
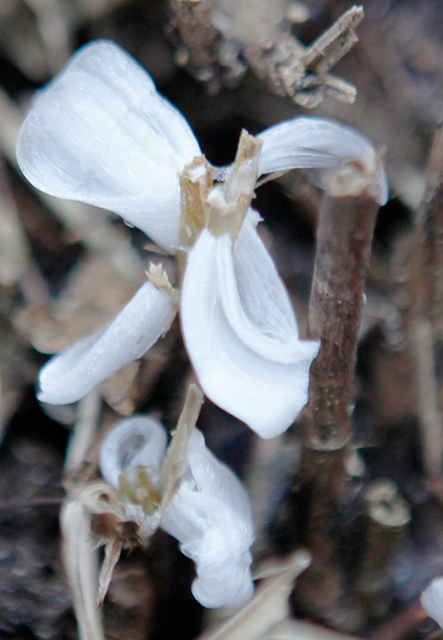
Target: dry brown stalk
x=401, y=625
x=334, y=43
x=288, y=67
x=302, y=73
x=389, y=515
x=424, y=320
x=344, y=237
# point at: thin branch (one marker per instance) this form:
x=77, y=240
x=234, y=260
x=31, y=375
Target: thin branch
x=302, y=73
x=84, y=432
x=344, y=238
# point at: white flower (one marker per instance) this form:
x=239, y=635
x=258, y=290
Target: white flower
x=210, y=513
x=100, y=133
x=432, y=600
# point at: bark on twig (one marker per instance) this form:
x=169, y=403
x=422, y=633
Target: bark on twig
x=344, y=237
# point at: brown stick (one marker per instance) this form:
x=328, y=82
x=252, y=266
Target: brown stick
x=424, y=321
x=427, y=273
x=344, y=237
x=302, y=73
x=388, y=515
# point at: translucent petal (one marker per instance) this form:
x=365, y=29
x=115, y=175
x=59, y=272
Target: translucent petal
x=70, y=375
x=241, y=334
x=314, y=143
x=432, y=600
x=134, y=441
x=211, y=517
x=100, y=133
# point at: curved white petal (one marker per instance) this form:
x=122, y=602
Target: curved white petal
x=70, y=375
x=315, y=143
x=241, y=334
x=432, y=600
x=100, y=133
x=131, y=442
x=211, y=517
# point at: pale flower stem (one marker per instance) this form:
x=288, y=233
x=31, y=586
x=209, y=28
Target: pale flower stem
x=84, y=432
x=227, y=213
x=291, y=629
x=113, y=550
x=80, y=555
x=195, y=185
x=175, y=463
x=269, y=604
x=80, y=562
x=344, y=237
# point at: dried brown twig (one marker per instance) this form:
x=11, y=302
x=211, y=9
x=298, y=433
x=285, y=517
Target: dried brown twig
x=388, y=517
x=344, y=238
x=302, y=73
x=288, y=67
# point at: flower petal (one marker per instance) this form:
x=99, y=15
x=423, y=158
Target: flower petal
x=134, y=441
x=432, y=600
x=241, y=334
x=70, y=375
x=315, y=143
x=100, y=133
x=211, y=517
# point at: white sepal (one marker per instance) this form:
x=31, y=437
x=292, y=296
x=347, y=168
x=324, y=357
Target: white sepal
x=100, y=133
x=211, y=517
x=131, y=442
x=315, y=143
x=69, y=376
x=432, y=600
x=241, y=334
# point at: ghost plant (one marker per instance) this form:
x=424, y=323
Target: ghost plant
x=100, y=133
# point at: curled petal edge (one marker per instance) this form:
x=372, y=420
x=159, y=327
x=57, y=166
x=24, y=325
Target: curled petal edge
x=70, y=375
x=306, y=142
x=229, y=350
